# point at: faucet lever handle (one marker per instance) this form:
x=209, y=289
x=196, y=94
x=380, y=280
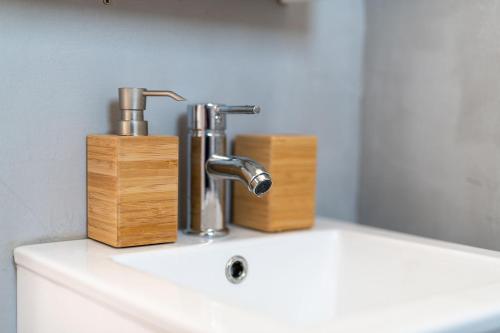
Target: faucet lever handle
x=239, y=109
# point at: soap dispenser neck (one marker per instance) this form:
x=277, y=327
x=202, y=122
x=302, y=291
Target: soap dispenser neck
x=132, y=106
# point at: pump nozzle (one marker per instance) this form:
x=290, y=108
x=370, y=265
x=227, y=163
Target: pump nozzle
x=132, y=105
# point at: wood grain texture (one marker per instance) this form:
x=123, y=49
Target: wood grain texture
x=290, y=204
x=132, y=189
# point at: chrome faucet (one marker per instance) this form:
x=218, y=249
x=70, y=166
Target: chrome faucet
x=209, y=166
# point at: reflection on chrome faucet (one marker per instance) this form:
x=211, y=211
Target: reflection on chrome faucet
x=209, y=166
x=247, y=171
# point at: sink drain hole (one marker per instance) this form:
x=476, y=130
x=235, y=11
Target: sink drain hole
x=236, y=269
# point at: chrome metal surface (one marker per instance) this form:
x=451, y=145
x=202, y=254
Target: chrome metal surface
x=132, y=103
x=242, y=109
x=213, y=116
x=209, y=166
x=260, y=184
x=242, y=169
x=236, y=269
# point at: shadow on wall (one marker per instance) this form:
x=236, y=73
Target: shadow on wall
x=114, y=117
x=182, y=132
x=255, y=14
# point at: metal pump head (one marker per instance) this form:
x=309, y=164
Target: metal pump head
x=132, y=105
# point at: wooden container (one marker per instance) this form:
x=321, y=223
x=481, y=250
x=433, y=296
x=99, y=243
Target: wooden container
x=290, y=204
x=132, y=189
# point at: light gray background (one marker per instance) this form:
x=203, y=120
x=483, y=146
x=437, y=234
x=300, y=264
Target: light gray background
x=431, y=119
x=61, y=62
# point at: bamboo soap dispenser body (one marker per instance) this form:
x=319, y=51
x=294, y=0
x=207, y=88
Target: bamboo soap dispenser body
x=132, y=179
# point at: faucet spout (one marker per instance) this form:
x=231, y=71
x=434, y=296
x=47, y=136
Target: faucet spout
x=243, y=169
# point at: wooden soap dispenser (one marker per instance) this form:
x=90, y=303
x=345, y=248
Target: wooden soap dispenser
x=132, y=178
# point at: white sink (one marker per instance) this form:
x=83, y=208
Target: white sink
x=337, y=277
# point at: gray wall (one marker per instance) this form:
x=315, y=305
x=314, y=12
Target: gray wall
x=431, y=119
x=61, y=62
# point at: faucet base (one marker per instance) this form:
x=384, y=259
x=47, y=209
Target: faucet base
x=209, y=233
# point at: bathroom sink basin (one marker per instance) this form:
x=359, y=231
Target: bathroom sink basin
x=337, y=277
